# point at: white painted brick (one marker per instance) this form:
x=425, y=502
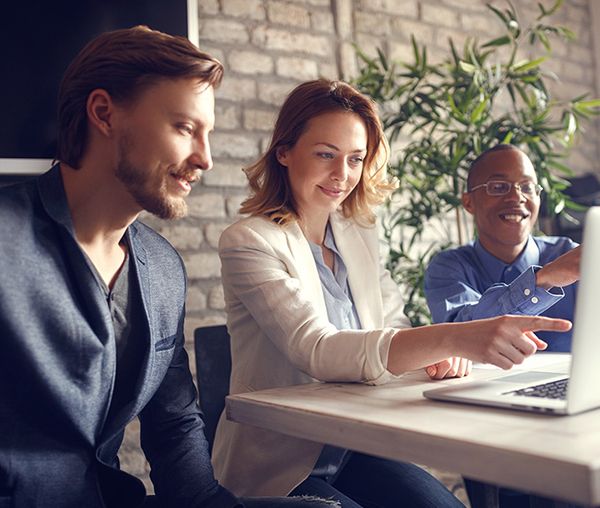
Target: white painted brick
x=236, y=89
x=202, y=265
x=560, y=48
x=226, y=117
x=405, y=28
x=259, y=119
x=195, y=300
x=208, y=6
x=265, y=141
x=437, y=15
x=468, y=5
x=274, y=93
x=373, y=24
x=328, y=70
x=295, y=67
x=216, y=299
x=575, y=72
x=222, y=30
x=237, y=146
x=458, y=37
x=247, y=9
x=286, y=13
x=577, y=15
x=344, y=23
x=405, y=8
x=322, y=21
x=225, y=174
x=348, y=61
x=369, y=5
x=369, y=44
x=183, y=237
x=401, y=52
x=213, y=232
x=284, y=40
x=207, y=206
x=212, y=50
x=581, y=54
x=480, y=23
x=234, y=203
x=250, y=62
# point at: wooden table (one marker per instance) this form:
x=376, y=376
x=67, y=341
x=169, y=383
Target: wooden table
x=555, y=456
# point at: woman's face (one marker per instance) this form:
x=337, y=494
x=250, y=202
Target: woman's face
x=326, y=163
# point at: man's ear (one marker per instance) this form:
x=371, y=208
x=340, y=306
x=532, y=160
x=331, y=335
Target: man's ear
x=281, y=152
x=467, y=202
x=100, y=110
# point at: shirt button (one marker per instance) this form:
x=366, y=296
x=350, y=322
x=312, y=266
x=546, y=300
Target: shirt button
x=535, y=299
x=527, y=291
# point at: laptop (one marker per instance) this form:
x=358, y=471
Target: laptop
x=559, y=385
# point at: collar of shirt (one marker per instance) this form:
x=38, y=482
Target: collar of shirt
x=500, y=271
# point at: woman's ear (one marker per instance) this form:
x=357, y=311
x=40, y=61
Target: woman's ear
x=281, y=152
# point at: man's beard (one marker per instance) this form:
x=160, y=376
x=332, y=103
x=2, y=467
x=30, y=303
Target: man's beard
x=151, y=196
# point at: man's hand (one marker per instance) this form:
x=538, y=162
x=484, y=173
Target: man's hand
x=451, y=367
x=563, y=271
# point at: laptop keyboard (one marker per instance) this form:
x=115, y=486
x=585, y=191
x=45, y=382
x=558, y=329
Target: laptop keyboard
x=553, y=390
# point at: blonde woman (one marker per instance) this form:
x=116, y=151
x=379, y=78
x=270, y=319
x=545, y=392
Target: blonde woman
x=307, y=299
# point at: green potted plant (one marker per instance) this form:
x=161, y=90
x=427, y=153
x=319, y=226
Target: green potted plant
x=451, y=112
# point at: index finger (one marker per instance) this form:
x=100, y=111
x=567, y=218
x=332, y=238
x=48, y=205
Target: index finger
x=535, y=323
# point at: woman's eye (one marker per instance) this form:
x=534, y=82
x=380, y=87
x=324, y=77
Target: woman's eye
x=357, y=160
x=325, y=155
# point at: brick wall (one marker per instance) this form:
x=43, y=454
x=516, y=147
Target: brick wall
x=269, y=46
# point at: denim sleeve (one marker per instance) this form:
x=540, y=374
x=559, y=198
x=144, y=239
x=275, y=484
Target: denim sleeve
x=452, y=299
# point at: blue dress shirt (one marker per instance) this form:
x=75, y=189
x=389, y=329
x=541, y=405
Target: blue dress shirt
x=336, y=290
x=469, y=283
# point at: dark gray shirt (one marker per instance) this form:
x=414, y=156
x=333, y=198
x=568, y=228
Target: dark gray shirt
x=127, y=313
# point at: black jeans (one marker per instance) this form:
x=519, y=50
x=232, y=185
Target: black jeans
x=485, y=495
x=372, y=482
x=269, y=502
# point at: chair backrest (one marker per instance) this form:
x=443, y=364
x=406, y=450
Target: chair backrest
x=213, y=367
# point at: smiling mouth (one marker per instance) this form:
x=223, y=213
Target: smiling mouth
x=333, y=192
x=186, y=178
x=513, y=217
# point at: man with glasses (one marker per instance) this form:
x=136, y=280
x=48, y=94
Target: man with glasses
x=506, y=270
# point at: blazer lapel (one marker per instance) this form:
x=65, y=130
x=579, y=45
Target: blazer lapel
x=140, y=260
x=363, y=270
x=305, y=265
x=133, y=407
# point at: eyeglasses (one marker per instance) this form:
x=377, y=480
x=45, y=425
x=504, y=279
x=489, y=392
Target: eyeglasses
x=501, y=187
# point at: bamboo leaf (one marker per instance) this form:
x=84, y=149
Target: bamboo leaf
x=500, y=41
x=467, y=67
x=478, y=111
x=528, y=65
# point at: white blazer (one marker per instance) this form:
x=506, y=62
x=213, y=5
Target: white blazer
x=281, y=336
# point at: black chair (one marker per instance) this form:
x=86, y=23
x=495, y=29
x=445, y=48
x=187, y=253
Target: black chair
x=213, y=367
x=584, y=190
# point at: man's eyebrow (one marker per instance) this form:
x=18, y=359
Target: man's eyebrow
x=330, y=145
x=504, y=175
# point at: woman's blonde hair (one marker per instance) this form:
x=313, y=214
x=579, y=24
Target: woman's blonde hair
x=271, y=194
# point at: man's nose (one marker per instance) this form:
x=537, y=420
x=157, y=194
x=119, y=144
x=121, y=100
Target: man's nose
x=201, y=156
